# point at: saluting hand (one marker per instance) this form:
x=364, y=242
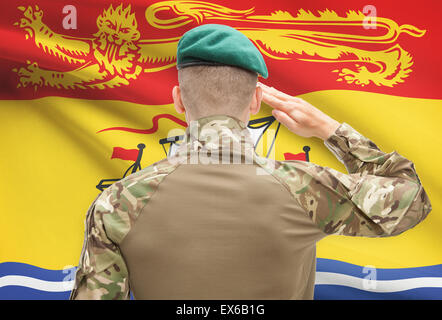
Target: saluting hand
x=299, y=116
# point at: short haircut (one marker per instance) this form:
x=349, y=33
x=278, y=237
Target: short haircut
x=211, y=90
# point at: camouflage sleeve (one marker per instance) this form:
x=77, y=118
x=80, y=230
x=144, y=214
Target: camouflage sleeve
x=380, y=196
x=360, y=155
x=102, y=273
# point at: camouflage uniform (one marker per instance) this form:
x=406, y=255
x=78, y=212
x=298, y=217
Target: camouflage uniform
x=249, y=248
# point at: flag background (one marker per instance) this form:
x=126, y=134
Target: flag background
x=55, y=148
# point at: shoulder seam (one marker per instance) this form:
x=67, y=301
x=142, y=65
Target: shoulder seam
x=142, y=208
x=282, y=182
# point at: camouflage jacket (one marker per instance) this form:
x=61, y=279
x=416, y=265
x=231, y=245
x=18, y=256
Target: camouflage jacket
x=380, y=196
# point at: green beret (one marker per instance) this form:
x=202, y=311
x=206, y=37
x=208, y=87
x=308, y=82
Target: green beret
x=216, y=44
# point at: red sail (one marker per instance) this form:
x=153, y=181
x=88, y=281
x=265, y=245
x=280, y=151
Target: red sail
x=125, y=154
x=291, y=156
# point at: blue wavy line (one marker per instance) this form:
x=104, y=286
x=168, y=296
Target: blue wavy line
x=322, y=292
x=24, y=293
x=322, y=264
x=332, y=292
x=336, y=292
x=28, y=270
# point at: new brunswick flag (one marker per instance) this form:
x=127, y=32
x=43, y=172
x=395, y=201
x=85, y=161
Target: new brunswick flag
x=85, y=100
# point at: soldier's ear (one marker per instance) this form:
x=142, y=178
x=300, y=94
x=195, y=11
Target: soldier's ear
x=255, y=104
x=178, y=103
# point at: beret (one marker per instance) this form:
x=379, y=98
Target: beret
x=216, y=44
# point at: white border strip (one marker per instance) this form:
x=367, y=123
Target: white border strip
x=322, y=278
x=371, y=285
x=49, y=286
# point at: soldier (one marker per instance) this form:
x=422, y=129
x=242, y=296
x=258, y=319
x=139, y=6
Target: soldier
x=193, y=227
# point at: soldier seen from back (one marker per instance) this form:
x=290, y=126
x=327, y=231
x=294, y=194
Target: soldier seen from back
x=216, y=220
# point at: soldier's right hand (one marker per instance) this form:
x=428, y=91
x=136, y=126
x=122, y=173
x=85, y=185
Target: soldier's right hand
x=299, y=116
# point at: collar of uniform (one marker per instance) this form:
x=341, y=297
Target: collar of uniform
x=217, y=131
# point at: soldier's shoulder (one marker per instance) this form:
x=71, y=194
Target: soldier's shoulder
x=298, y=174
x=139, y=186
x=284, y=168
x=156, y=170
x=119, y=205
x=287, y=172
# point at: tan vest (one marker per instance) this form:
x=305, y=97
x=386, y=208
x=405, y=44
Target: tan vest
x=221, y=232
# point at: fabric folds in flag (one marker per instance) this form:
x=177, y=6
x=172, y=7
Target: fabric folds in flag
x=85, y=100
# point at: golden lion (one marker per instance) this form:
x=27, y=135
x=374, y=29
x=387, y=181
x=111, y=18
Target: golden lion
x=110, y=59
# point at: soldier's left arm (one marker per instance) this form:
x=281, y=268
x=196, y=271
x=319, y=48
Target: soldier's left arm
x=380, y=196
x=102, y=273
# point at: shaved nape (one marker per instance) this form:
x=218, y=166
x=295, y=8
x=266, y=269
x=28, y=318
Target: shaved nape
x=210, y=90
